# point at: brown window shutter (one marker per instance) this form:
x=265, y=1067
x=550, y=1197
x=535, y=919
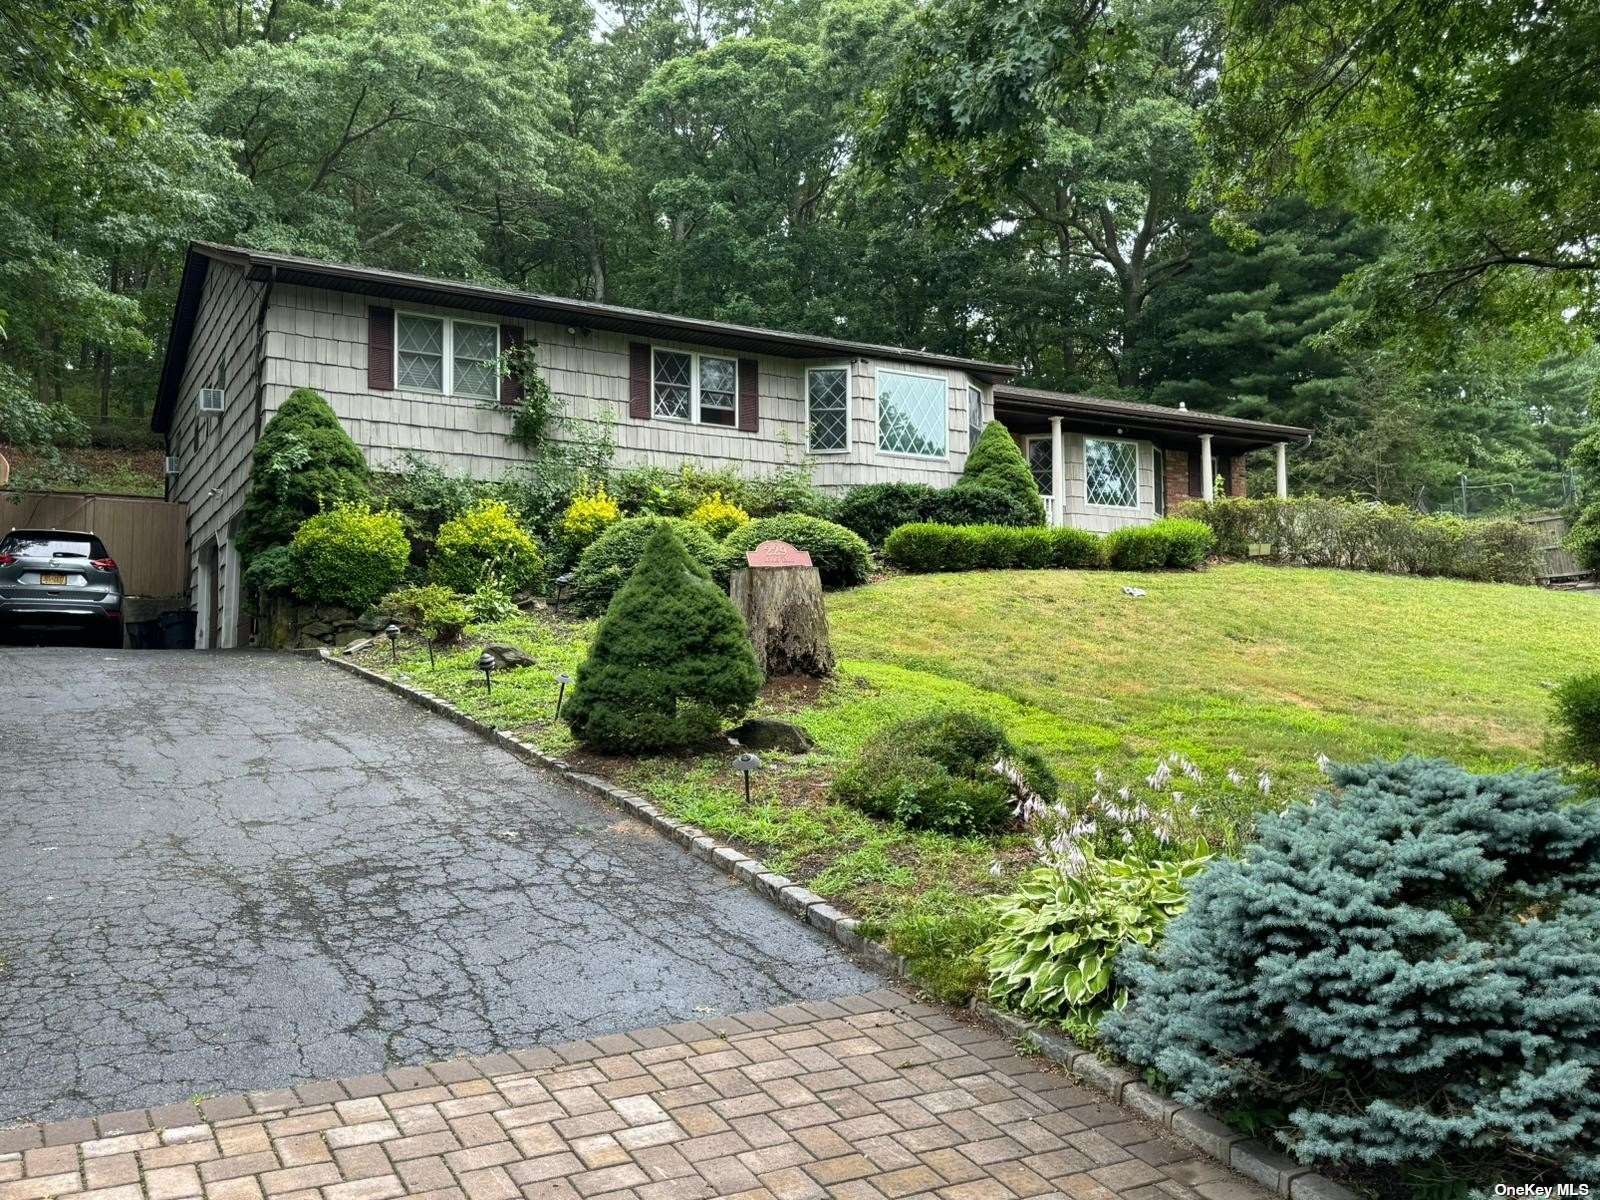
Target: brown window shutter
x=749, y=395
x=510, y=386
x=638, y=381
x=380, y=348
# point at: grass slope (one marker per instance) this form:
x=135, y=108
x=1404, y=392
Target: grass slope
x=1251, y=667
x=1237, y=665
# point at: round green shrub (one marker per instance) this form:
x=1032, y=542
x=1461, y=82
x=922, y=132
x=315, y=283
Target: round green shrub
x=432, y=610
x=979, y=504
x=996, y=462
x=671, y=661
x=349, y=556
x=875, y=510
x=1583, y=539
x=939, y=772
x=605, y=566
x=840, y=555
x=1409, y=969
x=302, y=463
x=485, y=543
x=1577, y=719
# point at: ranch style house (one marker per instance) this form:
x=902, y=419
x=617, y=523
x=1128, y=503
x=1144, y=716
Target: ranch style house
x=411, y=365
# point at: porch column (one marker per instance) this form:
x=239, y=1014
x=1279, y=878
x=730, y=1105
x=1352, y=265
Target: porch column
x=1207, y=483
x=1283, y=470
x=1058, y=472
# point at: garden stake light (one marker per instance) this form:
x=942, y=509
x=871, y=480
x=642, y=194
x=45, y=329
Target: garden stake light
x=429, y=643
x=393, y=634
x=746, y=763
x=486, y=664
x=563, y=679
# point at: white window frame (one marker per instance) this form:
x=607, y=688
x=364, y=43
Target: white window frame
x=694, y=387
x=1138, y=467
x=849, y=400
x=944, y=380
x=447, y=369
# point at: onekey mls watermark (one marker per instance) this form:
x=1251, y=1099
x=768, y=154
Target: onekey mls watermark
x=1540, y=1191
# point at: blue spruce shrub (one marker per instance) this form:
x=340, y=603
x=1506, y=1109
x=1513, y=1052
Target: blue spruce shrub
x=1409, y=968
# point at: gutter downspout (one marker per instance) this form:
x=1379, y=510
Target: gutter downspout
x=260, y=405
x=261, y=350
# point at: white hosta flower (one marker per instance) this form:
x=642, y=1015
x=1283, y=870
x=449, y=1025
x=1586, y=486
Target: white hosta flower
x=1235, y=778
x=1264, y=782
x=1158, y=778
x=1127, y=838
x=1324, y=763
x=994, y=870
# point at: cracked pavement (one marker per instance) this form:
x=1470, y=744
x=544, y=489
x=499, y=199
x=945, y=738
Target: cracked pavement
x=237, y=871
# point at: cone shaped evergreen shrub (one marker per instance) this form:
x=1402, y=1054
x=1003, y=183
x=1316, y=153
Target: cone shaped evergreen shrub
x=670, y=662
x=303, y=462
x=996, y=462
x=1409, y=968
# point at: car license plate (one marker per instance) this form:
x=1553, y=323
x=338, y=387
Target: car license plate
x=53, y=579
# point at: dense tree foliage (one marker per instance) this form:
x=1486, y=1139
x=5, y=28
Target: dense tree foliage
x=1120, y=195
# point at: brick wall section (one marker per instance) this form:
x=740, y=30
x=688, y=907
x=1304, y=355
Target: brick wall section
x=1178, y=465
x=860, y=1098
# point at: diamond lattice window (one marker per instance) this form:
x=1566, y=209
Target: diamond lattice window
x=419, y=343
x=1111, y=473
x=1041, y=464
x=828, y=398
x=475, y=353
x=674, y=378
x=913, y=415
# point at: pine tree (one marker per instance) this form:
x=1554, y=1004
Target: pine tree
x=1237, y=333
x=303, y=463
x=670, y=662
x=996, y=462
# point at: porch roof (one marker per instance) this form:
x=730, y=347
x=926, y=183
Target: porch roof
x=1233, y=434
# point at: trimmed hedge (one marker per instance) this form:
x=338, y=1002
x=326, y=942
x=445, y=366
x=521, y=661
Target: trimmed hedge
x=875, y=510
x=926, y=547
x=486, y=543
x=1167, y=543
x=840, y=554
x=1313, y=532
x=1172, y=542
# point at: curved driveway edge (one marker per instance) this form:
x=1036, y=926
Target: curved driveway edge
x=224, y=872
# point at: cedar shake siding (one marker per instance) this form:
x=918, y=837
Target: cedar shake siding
x=262, y=325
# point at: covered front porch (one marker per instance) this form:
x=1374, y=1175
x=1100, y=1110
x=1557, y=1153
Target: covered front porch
x=1102, y=464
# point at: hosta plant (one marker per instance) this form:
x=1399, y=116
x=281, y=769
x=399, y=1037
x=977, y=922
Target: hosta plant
x=1059, y=935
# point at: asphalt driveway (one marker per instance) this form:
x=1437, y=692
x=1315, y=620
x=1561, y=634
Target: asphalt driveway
x=234, y=871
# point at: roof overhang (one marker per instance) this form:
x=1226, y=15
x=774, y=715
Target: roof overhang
x=399, y=287
x=1151, y=420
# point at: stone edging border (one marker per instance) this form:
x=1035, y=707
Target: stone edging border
x=1250, y=1157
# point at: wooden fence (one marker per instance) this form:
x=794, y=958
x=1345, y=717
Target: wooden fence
x=1555, y=561
x=145, y=535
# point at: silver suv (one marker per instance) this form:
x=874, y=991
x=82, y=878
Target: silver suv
x=58, y=579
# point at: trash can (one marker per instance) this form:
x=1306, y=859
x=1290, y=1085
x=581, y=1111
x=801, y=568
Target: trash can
x=146, y=635
x=177, y=630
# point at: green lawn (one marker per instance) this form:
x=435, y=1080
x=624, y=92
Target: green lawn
x=1258, y=668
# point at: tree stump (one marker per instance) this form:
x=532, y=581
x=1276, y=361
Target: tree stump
x=780, y=595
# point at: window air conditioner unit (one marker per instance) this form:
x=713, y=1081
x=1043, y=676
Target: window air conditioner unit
x=212, y=400
x=172, y=464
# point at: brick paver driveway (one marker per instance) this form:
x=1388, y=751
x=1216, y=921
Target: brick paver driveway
x=865, y=1097
x=227, y=872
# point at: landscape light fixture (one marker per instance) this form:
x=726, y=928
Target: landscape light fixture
x=563, y=582
x=486, y=664
x=746, y=763
x=393, y=634
x=428, y=641
x=563, y=679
